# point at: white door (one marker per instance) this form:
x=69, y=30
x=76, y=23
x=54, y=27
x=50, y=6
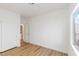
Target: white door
x=8, y=35
x=0, y=37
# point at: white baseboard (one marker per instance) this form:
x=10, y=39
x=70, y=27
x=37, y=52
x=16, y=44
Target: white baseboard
x=46, y=47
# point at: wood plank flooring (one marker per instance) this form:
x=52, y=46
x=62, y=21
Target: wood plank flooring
x=28, y=49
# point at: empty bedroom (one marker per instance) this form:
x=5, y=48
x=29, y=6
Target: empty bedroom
x=38, y=29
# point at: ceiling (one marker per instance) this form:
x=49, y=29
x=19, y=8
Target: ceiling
x=30, y=10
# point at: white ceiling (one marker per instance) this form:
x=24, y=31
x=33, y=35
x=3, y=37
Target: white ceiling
x=28, y=10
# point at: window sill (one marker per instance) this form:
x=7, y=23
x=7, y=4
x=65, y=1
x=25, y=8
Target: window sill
x=75, y=49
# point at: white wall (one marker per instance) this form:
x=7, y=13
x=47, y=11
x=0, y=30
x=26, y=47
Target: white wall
x=50, y=30
x=10, y=28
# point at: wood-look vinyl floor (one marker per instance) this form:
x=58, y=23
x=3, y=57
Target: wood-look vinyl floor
x=28, y=49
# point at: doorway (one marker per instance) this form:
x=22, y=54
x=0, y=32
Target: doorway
x=22, y=34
